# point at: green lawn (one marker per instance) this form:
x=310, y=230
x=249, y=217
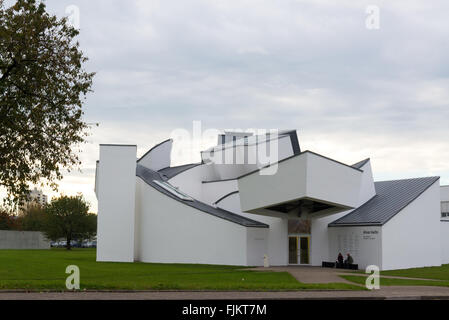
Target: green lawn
x=398, y=282
x=438, y=273
x=45, y=270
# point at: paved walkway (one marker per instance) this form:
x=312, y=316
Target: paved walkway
x=306, y=274
x=383, y=293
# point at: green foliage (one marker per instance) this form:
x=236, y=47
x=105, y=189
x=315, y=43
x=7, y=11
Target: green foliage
x=8, y=221
x=69, y=218
x=33, y=218
x=42, y=89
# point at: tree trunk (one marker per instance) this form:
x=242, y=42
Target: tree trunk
x=69, y=246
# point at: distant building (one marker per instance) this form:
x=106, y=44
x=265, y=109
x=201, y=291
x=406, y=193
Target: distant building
x=35, y=197
x=445, y=202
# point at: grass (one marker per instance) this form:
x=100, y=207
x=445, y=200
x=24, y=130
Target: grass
x=437, y=273
x=397, y=282
x=438, y=277
x=45, y=270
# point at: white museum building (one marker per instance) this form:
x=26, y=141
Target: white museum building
x=260, y=198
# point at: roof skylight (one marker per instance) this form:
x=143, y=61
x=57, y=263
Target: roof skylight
x=173, y=190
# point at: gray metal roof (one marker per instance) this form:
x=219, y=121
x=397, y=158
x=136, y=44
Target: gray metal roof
x=391, y=197
x=148, y=176
x=171, y=172
x=360, y=164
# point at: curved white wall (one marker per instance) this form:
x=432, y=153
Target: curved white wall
x=256, y=157
x=190, y=181
x=159, y=157
x=172, y=232
x=213, y=191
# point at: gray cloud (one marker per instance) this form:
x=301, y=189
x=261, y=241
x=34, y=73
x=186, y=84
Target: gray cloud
x=310, y=65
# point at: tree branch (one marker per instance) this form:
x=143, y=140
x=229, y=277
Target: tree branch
x=9, y=70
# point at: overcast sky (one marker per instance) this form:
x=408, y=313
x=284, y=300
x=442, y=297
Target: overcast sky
x=313, y=65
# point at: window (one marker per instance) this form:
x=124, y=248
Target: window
x=445, y=209
x=173, y=190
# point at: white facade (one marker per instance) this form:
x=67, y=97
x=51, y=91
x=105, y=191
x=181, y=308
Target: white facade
x=418, y=245
x=276, y=249
x=234, y=208
x=307, y=175
x=444, y=197
x=169, y=232
x=116, y=200
x=363, y=243
x=445, y=241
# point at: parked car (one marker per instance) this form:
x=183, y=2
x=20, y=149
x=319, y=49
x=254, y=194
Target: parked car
x=89, y=244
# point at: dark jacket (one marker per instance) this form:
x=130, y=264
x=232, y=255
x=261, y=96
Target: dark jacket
x=340, y=258
x=349, y=260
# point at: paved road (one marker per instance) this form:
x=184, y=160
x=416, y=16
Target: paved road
x=383, y=293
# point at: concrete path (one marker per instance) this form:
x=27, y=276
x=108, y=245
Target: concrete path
x=391, y=277
x=306, y=274
x=383, y=293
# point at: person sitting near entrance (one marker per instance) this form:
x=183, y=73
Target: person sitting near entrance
x=349, y=260
x=340, y=259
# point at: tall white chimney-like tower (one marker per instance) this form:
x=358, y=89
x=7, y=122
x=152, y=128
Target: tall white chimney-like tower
x=116, y=190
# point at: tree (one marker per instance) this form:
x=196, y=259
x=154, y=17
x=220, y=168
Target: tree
x=43, y=85
x=33, y=218
x=5, y=220
x=8, y=221
x=69, y=218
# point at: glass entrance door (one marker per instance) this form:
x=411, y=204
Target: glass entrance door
x=292, y=250
x=299, y=249
x=304, y=250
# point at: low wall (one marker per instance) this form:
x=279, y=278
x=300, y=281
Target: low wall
x=23, y=240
